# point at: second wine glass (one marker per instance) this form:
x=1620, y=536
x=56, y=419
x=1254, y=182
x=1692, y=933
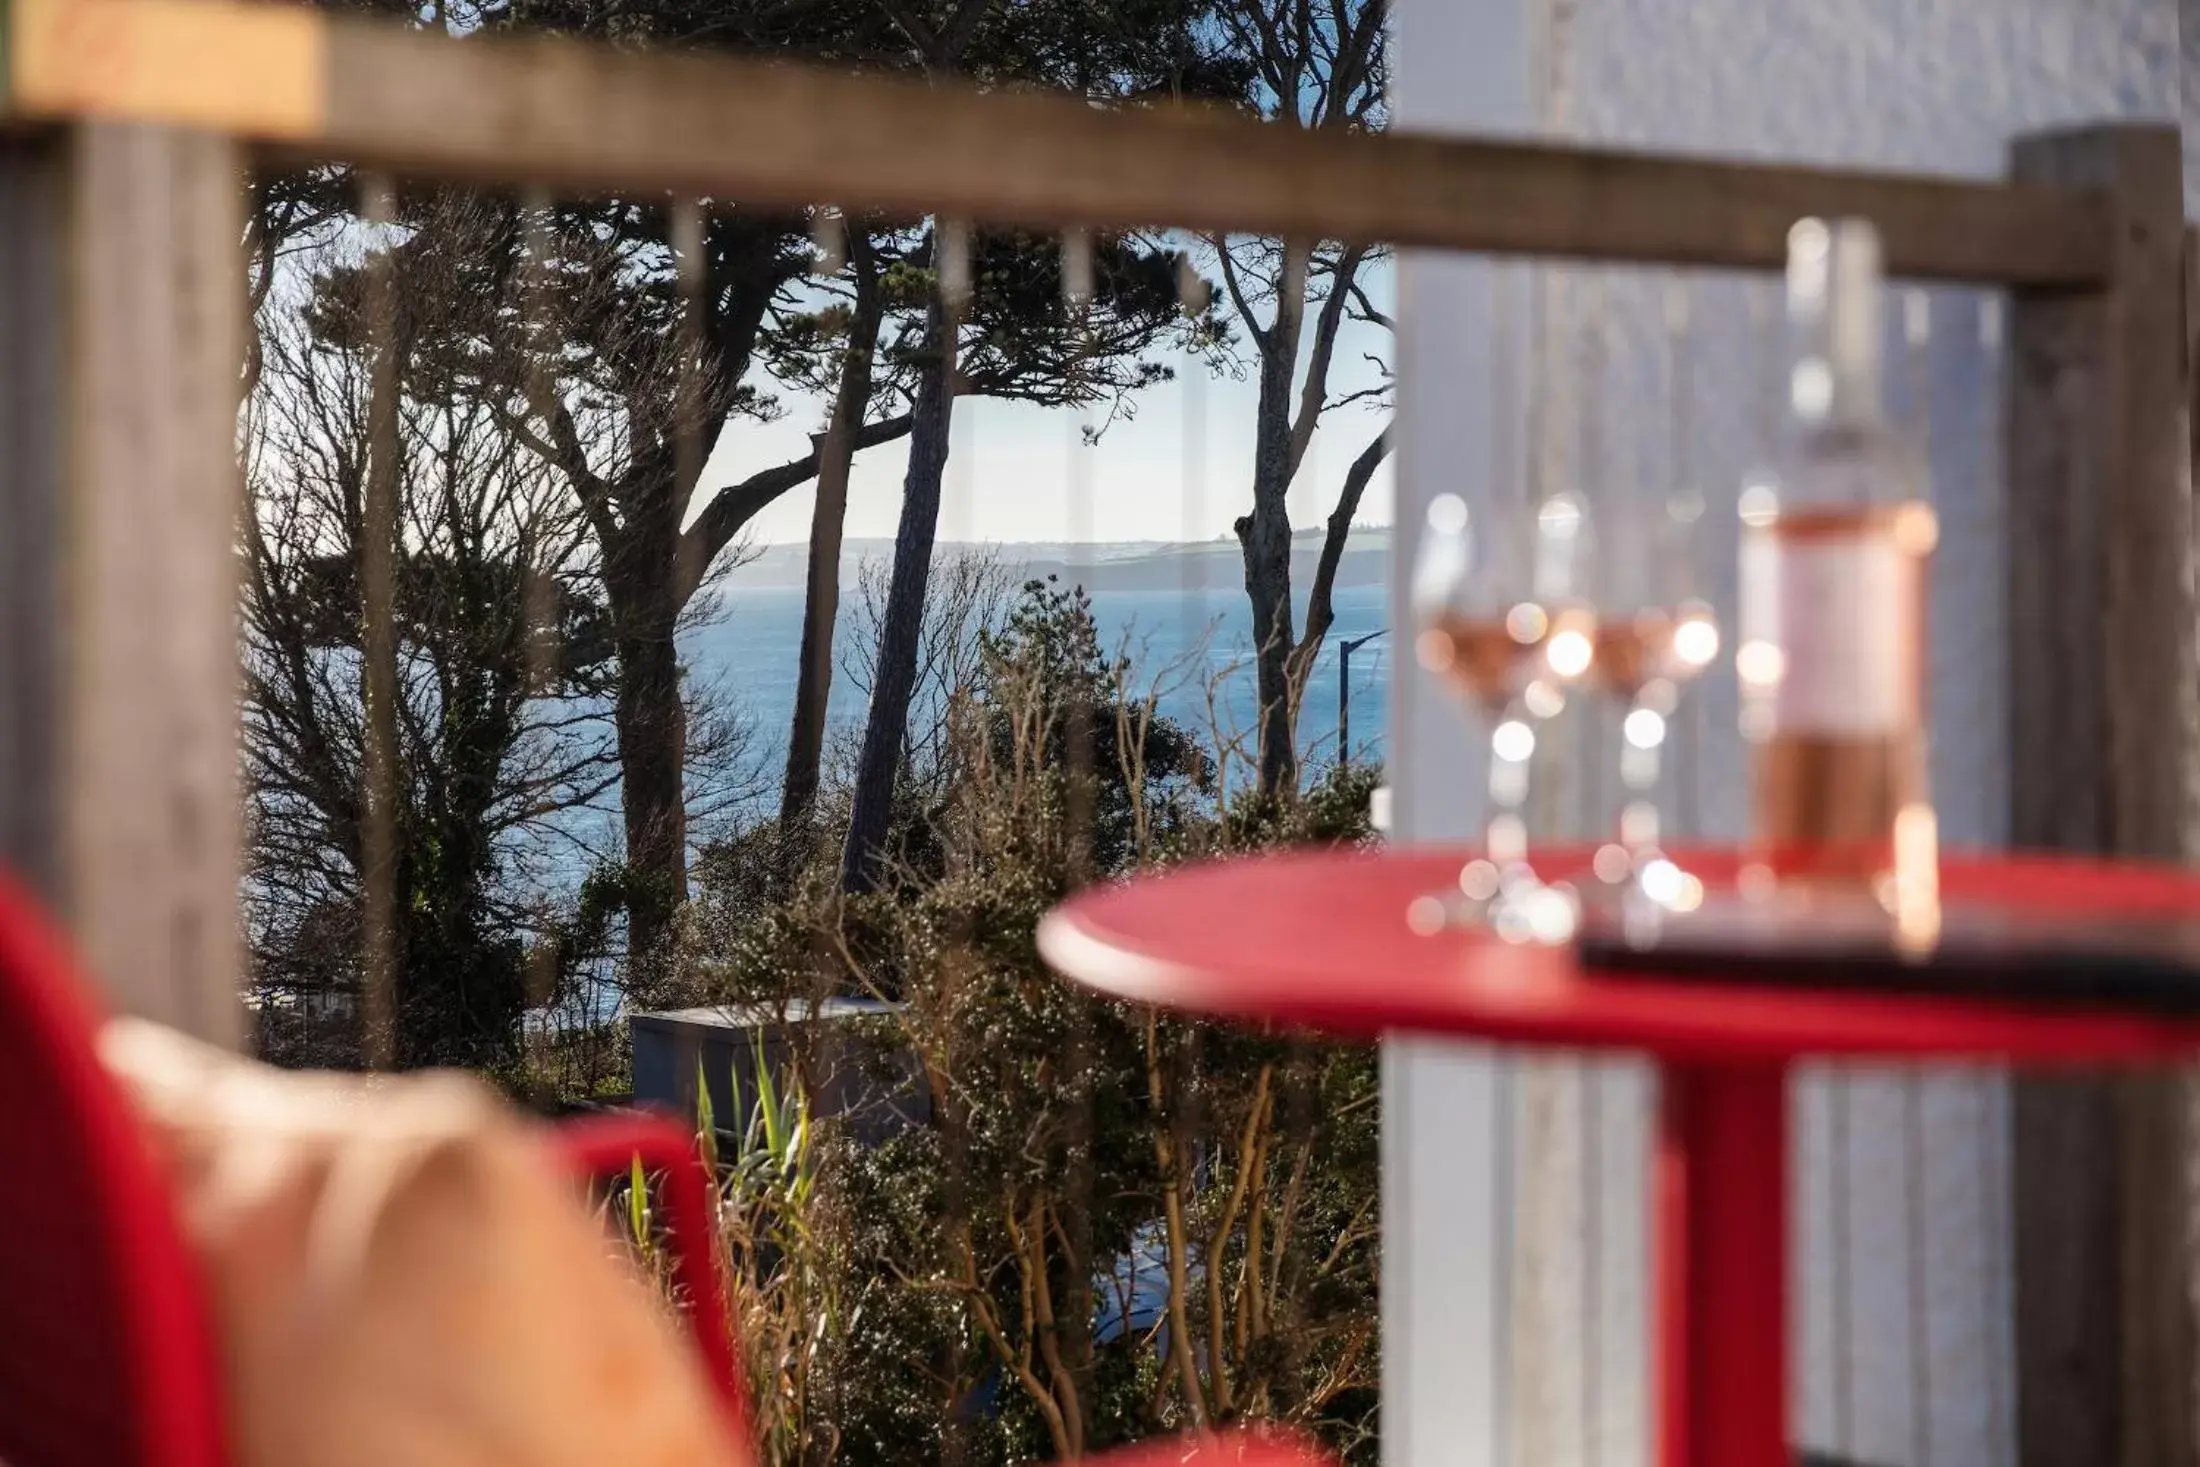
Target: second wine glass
x=1655, y=632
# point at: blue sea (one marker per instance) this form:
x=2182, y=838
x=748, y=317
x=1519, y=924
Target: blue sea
x=1184, y=639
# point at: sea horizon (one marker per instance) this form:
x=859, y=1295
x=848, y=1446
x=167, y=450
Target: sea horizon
x=1158, y=603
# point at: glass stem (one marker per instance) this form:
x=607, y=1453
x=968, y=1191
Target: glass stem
x=1642, y=746
x=1512, y=745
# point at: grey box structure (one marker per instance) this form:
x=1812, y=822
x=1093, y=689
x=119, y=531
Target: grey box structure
x=877, y=1094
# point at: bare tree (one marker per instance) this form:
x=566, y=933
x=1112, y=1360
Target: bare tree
x=1313, y=64
x=972, y=592
x=499, y=655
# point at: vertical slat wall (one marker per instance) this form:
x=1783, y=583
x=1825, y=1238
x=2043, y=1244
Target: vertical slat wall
x=1580, y=1125
x=119, y=641
x=1448, y=1141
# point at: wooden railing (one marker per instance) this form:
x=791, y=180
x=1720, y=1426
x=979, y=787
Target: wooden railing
x=580, y=117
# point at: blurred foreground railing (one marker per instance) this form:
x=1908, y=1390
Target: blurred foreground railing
x=582, y=117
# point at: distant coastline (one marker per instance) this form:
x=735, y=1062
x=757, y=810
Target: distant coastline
x=1142, y=565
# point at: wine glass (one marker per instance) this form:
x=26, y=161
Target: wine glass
x=1499, y=621
x=1655, y=633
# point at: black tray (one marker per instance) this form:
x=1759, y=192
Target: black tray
x=1850, y=942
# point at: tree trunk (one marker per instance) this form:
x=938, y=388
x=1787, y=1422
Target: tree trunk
x=821, y=606
x=651, y=721
x=894, y=684
x=1265, y=537
x=1320, y=597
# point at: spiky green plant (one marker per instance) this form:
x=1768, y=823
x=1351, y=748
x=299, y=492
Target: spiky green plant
x=784, y=1300
x=638, y=1223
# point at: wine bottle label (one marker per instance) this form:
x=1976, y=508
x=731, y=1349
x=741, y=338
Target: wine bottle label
x=1842, y=609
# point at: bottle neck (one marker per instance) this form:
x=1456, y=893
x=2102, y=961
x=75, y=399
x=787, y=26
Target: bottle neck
x=1834, y=379
x=1834, y=298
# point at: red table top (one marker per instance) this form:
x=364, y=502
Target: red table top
x=1319, y=939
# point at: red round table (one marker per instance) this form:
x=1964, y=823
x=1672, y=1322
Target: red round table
x=1319, y=940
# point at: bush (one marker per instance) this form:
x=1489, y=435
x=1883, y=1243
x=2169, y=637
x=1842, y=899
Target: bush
x=1113, y=1223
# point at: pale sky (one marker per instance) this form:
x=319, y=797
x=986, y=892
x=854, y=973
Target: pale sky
x=1010, y=475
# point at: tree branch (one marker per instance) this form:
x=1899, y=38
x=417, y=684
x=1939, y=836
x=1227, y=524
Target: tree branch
x=1256, y=31
x=1367, y=311
x=1168, y=1162
x=736, y=504
x=1252, y=324
x=961, y=30
x=910, y=24
x=1070, y=1409
x=1314, y=393
x=1319, y=615
x=1037, y=1309
x=1355, y=64
x=943, y=47
x=1012, y=1359
x=1218, y=1241
x=1365, y=394
x=565, y=453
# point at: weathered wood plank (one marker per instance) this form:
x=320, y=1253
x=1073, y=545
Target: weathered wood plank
x=589, y=119
x=253, y=69
x=122, y=291
x=582, y=118
x=156, y=306
x=32, y=207
x=2103, y=745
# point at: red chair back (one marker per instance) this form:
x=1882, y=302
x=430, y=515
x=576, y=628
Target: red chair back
x=605, y=1146
x=107, y=1352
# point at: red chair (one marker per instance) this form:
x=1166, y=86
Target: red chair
x=108, y=1353
x=606, y=1146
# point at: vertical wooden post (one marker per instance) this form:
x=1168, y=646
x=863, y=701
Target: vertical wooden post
x=32, y=207
x=2102, y=751
x=121, y=303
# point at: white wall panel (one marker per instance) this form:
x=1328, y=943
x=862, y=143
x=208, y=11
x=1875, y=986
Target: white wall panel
x=1514, y=1282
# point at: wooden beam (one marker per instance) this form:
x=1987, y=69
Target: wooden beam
x=250, y=70
x=590, y=119
x=119, y=252
x=2103, y=744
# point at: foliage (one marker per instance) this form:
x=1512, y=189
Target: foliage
x=786, y=1289
x=499, y=652
x=999, y=1270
